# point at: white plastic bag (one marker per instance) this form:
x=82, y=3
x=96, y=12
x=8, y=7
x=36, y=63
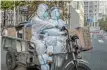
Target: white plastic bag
x=39, y=25
x=50, y=40
x=40, y=47
x=49, y=49
x=53, y=32
x=43, y=58
x=59, y=23
x=55, y=44
x=58, y=47
x=43, y=61
x=45, y=67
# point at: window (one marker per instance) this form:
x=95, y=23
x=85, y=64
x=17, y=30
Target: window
x=95, y=5
x=85, y=6
x=86, y=14
x=91, y=2
x=85, y=2
x=90, y=11
x=8, y=43
x=91, y=6
x=100, y=14
x=85, y=11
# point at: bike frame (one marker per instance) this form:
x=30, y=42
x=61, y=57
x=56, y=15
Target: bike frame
x=74, y=52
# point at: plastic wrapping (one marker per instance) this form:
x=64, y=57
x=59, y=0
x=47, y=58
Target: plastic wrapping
x=50, y=49
x=57, y=23
x=43, y=61
x=43, y=58
x=39, y=26
x=40, y=46
x=50, y=40
x=53, y=32
x=55, y=44
x=45, y=67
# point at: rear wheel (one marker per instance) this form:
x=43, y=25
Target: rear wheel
x=10, y=60
x=81, y=66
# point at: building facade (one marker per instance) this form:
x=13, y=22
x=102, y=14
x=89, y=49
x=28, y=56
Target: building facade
x=102, y=9
x=91, y=12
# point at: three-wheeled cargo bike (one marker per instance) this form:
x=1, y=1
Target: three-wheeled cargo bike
x=21, y=52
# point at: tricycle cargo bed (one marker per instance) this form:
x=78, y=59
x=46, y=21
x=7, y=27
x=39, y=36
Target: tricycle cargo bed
x=14, y=44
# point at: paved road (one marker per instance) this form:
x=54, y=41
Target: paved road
x=97, y=57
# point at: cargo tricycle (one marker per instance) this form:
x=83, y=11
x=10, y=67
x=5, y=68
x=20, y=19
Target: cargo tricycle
x=22, y=53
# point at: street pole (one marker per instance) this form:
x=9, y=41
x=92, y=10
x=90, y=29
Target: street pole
x=69, y=16
x=94, y=19
x=4, y=18
x=14, y=23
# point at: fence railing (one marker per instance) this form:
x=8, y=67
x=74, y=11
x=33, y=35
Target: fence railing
x=13, y=18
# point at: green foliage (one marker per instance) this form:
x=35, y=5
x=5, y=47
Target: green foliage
x=34, y=4
x=103, y=24
x=11, y=4
x=7, y=5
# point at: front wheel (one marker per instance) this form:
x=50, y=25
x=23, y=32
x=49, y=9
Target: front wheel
x=81, y=66
x=10, y=60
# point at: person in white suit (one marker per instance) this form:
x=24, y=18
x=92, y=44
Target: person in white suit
x=55, y=39
x=40, y=22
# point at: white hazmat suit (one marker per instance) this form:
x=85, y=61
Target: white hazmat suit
x=55, y=39
x=39, y=23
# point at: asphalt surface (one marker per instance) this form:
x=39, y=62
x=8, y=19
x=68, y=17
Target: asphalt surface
x=97, y=57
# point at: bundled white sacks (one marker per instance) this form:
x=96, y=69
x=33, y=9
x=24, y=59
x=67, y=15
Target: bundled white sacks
x=39, y=25
x=52, y=39
x=59, y=23
x=40, y=47
x=45, y=67
x=53, y=32
x=55, y=44
x=43, y=58
x=43, y=61
x=52, y=36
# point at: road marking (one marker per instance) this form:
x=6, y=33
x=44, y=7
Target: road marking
x=100, y=41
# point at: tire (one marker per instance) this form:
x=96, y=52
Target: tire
x=81, y=66
x=10, y=60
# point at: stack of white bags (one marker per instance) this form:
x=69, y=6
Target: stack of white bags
x=48, y=38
